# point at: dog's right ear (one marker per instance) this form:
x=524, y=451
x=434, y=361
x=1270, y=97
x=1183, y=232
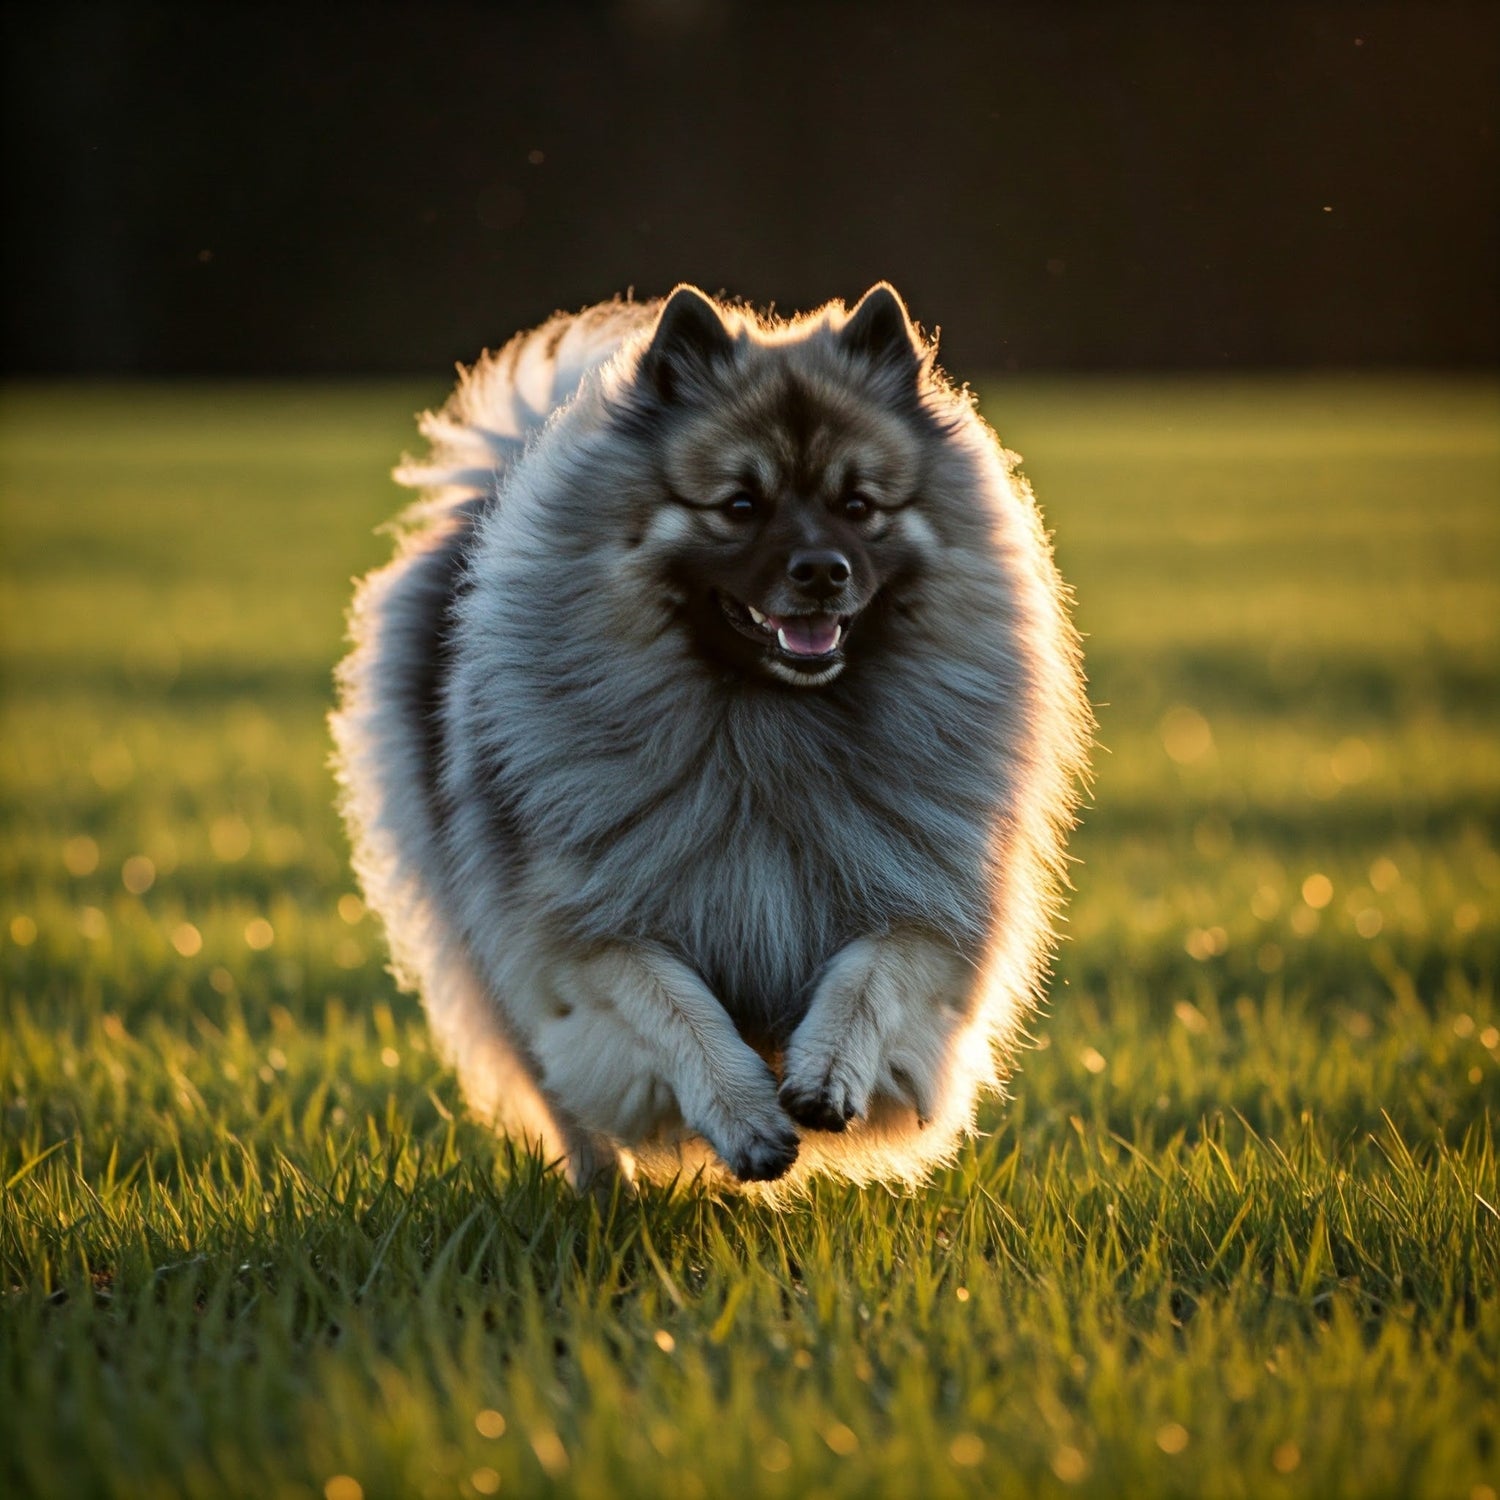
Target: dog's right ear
x=879, y=328
x=690, y=338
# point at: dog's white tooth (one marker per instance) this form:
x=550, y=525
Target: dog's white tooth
x=781, y=636
x=838, y=635
x=756, y=615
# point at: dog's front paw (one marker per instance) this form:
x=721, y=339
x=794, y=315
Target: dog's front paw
x=765, y=1155
x=751, y=1133
x=825, y=1089
x=757, y=1150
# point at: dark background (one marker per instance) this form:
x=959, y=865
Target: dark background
x=382, y=187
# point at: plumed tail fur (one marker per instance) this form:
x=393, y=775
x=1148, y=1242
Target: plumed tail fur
x=506, y=398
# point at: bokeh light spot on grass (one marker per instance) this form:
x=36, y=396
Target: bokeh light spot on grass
x=1352, y=761
x=776, y=1455
x=1317, y=891
x=112, y=766
x=1304, y=920
x=229, y=838
x=1204, y=943
x=550, y=1453
x=343, y=1487
x=1186, y=734
x=1191, y=1017
x=841, y=1439
x=967, y=1450
x=80, y=855
x=485, y=1480
x=1172, y=1438
x=22, y=930
x=351, y=908
x=1266, y=901
x=1069, y=1464
x=1285, y=1457
x=187, y=940
x=138, y=874
x=259, y=934
x=490, y=1423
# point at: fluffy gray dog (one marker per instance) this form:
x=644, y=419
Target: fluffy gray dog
x=709, y=746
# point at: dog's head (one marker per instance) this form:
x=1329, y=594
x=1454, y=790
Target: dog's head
x=787, y=470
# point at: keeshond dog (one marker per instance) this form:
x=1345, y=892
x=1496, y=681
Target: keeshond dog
x=709, y=747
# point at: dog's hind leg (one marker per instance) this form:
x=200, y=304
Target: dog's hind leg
x=594, y=1164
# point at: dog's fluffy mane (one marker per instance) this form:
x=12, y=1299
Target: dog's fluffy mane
x=655, y=803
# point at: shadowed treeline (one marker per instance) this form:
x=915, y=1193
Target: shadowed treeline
x=387, y=187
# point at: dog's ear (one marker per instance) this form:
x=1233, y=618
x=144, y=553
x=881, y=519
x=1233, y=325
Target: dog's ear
x=879, y=330
x=690, y=338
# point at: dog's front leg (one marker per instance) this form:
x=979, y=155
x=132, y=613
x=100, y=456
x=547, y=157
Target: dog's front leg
x=636, y=1039
x=882, y=1021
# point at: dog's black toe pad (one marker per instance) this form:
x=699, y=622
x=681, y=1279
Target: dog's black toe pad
x=815, y=1111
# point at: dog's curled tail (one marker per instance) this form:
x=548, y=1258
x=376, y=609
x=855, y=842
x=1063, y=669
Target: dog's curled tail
x=507, y=397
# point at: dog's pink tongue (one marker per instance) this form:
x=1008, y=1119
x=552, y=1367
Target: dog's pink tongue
x=809, y=635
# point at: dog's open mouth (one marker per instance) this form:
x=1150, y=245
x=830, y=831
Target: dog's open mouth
x=804, y=641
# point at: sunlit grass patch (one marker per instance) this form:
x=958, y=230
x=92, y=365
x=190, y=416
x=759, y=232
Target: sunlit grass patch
x=1237, y=1231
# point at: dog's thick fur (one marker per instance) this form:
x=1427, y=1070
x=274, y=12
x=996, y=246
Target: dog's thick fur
x=677, y=896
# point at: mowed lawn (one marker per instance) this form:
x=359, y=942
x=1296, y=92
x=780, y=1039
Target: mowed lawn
x=1236, y=1234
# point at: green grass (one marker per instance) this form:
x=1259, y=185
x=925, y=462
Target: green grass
x=1237, y=1233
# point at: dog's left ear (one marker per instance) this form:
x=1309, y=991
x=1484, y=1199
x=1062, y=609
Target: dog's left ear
x=690, y=338
x=880, y=330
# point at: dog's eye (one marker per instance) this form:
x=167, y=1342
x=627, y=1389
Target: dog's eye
x=741, y=507
x=857, y=507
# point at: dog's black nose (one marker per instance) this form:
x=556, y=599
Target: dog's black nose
x=821, y=572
